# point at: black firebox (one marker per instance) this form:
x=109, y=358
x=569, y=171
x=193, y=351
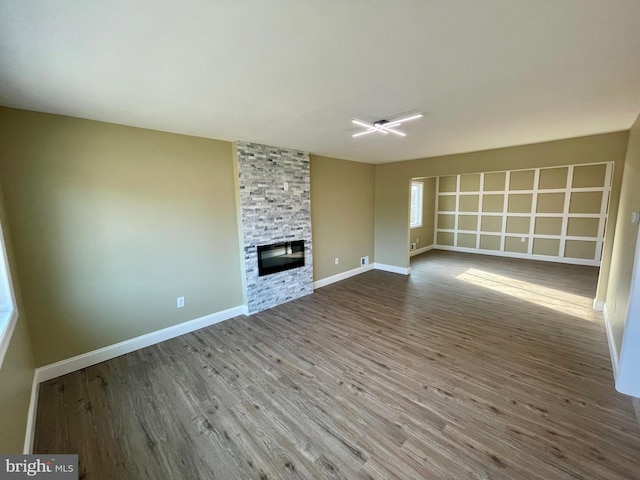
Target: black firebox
x=278, y=257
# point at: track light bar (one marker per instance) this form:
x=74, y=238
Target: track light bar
x=406, y=119
x=395, y=131
x=364, y=133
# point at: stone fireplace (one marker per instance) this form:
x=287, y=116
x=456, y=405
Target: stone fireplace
x=275, y=209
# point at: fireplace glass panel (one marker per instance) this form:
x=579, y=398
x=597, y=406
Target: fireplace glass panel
x=278, y=257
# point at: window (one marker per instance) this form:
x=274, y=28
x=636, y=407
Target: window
x=416, y=204
x=8, y=313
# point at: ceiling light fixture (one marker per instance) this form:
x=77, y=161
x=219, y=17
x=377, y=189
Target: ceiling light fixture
x=372, y=128
x=384, y=126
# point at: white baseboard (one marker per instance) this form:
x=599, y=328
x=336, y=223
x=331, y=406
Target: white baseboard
x=107, y=353
x=615, y=361
x=30, y=433
x=245, y=310
x=421, y=250
x=341, y=276
x=392, y=268
x=598, y=305
x=357, y=271
x=525, y=256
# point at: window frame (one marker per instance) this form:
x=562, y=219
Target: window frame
x=8, y=310
x=420, y=214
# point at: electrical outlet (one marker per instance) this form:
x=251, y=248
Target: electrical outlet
x=635, y=217
x=337, y=261
x=523, y=239
x=417, y=240
x=364, y=261
x=413, y=247
x=180, y=302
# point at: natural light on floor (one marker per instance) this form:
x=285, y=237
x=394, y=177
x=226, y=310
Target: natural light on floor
x=561, y=301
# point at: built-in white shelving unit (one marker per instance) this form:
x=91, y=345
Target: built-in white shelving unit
x=556, y=213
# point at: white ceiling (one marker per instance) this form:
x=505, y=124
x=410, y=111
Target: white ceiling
x=486, y=73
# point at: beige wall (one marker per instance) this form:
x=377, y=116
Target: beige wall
x=16, y=374
x=425, y=232
x=626, y=234
x=342, y=216
x=392, y=183
x=110, y=224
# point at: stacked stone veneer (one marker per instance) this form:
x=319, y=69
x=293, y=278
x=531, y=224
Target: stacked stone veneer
x=275, y=206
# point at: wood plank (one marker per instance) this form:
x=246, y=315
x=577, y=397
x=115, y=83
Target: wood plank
x=473, y=367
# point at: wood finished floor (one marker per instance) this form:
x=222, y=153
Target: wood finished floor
x=473, y=367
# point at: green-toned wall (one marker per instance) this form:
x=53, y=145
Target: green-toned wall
x=393, y=179
x=16, y=374
x=342, y=216
x=110, y=224
x=626, y=235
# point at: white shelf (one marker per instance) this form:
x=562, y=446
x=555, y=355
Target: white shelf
x=530, y=235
